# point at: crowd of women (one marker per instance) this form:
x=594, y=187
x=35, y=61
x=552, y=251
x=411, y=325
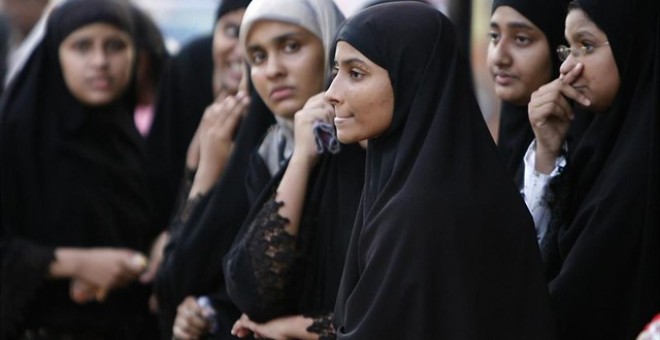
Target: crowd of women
x=301, y=175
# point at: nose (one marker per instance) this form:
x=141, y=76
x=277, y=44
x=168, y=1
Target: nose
x=498, y=54
x=99, y=58
x=568, y=64
x=236, y=51
x=274, y=67
x=331, y=95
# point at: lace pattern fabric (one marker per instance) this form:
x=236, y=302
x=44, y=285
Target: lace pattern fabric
x=323, y=326
x=272, y=252
x=186, y=206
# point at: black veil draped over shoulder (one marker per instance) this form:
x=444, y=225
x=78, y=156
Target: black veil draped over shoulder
x=606, y=216
x=515, y=134
x=192, y=262
x=443, y=245
x=70, y=176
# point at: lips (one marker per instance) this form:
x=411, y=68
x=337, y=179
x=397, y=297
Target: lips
x=503, y=78
x=99, y=83
x=281, y=93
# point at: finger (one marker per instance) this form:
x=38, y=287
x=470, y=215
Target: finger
x=572, y=75
x=181, y=334
x=185, y=328
x=572, y=93
x=101, y=294
x=81, y=292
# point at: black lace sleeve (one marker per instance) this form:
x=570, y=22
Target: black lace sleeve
x=322, y=326
x=185, y=205
x=24, y=271
x=263, y=265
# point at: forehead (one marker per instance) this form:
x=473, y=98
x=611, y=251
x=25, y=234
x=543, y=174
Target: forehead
x=97, y=30
x=345, y=52
x=264, y=32
x=507, y=17
x=578, y=24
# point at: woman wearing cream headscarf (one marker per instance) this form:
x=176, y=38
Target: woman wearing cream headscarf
x=284, y=267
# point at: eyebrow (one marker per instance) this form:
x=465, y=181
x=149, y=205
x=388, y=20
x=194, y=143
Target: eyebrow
x=352, y=61
x=583, y=34
x=513, y=25
x=277, y=40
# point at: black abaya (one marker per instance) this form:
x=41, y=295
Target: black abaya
x=606, y=216
x=443, y=245
x=70, y=176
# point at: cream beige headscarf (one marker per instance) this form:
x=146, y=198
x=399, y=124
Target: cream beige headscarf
x=321, y=18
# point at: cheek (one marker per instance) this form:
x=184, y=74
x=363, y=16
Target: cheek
x=536, y=70
x=259, y=82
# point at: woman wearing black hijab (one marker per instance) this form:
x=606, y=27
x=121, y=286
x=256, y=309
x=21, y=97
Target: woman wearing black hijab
x=74, y=212
x=443, y=246
x=521, y=57
x=604, y=248
x=200, y=73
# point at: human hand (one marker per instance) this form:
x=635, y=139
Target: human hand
x=218, y=127
x=108, y=268
x=216, y=134
x=191, y=320
x=284, y=328
x=550, y=114
x=155, y=258
x=316, y=109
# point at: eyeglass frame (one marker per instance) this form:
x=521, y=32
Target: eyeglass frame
x=564, y=51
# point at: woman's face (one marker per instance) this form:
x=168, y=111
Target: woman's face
x=599, y=80
x=361, y=94
x=96, y=62
x=227, y=53
x=519, y=57
x=287, y=65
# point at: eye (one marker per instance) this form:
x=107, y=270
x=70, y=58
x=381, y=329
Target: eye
x=291, y=46
x=334, y=70
x=494, y=36
x=587, y=46
x=356, y=74
x=523, y=40
x=82, y=46
x=257, y=57
x=115, y=45
x=232, y=31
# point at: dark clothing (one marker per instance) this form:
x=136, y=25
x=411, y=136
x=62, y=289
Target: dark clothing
x=443, y=246
x=606, y=214
x=271, y=273
x=203, y=230
x=515, y=134
x=185, y=91
x=4, y=50
x=70, y=176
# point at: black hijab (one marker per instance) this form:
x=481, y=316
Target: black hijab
x=607, y=248
x=227, y=6
x=443, y=246
x=70, y=175
x=515, y=133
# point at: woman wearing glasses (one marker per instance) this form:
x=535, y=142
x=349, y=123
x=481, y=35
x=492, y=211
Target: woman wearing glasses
x=602, y=239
